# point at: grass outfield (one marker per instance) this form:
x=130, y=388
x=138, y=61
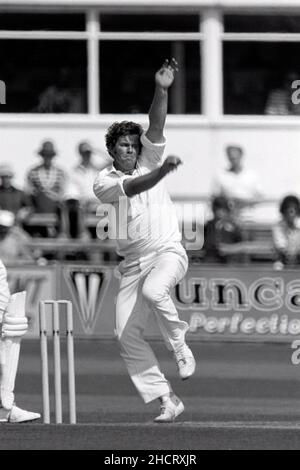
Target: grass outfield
x=243, y=396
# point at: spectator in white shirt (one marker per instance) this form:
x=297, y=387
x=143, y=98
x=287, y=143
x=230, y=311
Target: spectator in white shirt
x=79, y=196
x=237, y=184
x=84, y=174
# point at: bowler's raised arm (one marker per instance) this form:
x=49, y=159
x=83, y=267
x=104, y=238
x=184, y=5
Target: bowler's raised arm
x=159, y=107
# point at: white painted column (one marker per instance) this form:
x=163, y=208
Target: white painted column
x=212, y=63
x=92, y=26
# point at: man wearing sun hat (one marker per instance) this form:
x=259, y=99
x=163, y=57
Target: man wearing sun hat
x=46, y=182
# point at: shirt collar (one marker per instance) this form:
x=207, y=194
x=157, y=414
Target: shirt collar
x=119, y=172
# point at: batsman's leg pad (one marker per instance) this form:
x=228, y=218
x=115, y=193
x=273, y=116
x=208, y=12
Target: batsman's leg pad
x=13, y=328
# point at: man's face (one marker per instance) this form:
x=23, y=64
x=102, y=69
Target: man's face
x=47, y=158
x=291, y=213
x=85, y=151
x=6, y=181
x=126, y=152
x=86, y=156
x=235, y=158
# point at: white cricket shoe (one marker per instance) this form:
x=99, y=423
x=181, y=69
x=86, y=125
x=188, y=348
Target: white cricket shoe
x=185, y=362
x=170, y=408
x=17, y=415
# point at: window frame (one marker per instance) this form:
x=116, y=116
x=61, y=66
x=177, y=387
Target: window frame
x=267, y=37
x=211, y=37
x=93, y=36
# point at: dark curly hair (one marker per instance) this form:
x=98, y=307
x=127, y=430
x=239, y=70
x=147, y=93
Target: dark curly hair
x=119, y=129
x=287, y=201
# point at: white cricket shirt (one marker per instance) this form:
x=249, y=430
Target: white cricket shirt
x=148, y=221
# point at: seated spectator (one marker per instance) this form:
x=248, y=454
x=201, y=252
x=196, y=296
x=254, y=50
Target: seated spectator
x=222, y=230
x=83, y=176
x=11, y=198
x=286, y=233
x=46, y=186
x=12, y=240
x=237, y=184
x=80, y=197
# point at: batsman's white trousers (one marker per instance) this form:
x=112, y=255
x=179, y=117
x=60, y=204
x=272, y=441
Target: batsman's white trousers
x=146, y=282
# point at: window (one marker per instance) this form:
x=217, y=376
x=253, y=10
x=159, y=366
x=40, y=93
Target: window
x=45, y=64
x=258, y=77
x=44, y=76
x=260, y=63
x=49, y=52
x=150, y=22
x=262, y=23
x=127, y=71
x=127, y=67
x=42, y=21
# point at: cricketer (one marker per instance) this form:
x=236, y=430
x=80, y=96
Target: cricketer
x=154, y=258
x=13, y=326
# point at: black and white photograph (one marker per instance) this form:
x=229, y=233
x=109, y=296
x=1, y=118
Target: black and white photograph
x=150, y=227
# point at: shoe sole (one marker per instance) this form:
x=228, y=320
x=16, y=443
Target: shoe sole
x=17, y=422
x=187, y=376
x=178, y=411
x=23, y=421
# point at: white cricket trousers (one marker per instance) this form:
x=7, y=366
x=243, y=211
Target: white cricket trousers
x=145, y=283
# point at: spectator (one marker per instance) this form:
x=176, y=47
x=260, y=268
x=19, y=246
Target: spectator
x=237, y=184
x=12, y=241
x=79, y=197
x=222, y=230
x=83, y=176
x=46, y=186
x=286, y=233
x=62, y=96
x=11, y=198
